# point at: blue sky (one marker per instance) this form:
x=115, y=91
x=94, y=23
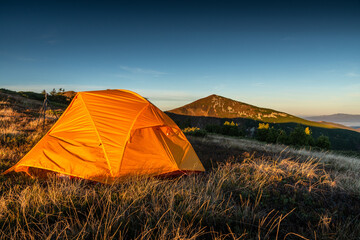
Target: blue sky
x=301, y=57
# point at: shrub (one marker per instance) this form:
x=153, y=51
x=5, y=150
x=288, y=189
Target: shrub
x=323, y=142
x=229, y=129
x=272, y=135
x=282, y=137
x=184, y=123
x=301, y=137
x=227, y=123
x=213, y=128
x=262, y=132
x=194, y=131
x=263, y=126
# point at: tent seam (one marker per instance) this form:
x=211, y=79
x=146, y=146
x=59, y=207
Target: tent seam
x=63, y=114
x=186, y=151
x=168, y=151
x=155, y=114
x=128, y=134
x=98, y=135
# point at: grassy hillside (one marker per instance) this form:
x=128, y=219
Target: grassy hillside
x=57, y=99
x=250, y=190
x=221, y=107
x=341, y=139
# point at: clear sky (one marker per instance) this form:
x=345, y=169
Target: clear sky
x=301, y=57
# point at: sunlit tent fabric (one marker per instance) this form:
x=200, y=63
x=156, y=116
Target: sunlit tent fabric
x=110, y=134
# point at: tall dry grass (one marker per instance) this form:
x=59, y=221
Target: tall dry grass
x=252, y=191
x=230, y=202
x=345, y=169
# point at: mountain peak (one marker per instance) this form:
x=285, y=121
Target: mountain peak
x=213, y=96
x=222, y=107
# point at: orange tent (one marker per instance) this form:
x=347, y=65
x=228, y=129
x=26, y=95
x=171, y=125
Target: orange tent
x=106, y=135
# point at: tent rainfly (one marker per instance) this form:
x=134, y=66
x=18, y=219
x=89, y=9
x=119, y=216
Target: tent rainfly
x=110, y=134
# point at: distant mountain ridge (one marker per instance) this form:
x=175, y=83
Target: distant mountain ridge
x=222, y=107
x=338, y=117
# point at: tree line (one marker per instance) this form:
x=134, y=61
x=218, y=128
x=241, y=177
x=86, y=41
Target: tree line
x=299, y=136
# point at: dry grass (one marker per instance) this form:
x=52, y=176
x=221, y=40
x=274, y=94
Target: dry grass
x=218, y=205
x=250, y=191
x=256, y=199
x=345, y=169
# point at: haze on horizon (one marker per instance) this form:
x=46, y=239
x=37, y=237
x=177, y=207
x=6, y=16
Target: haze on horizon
x=300, y=57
